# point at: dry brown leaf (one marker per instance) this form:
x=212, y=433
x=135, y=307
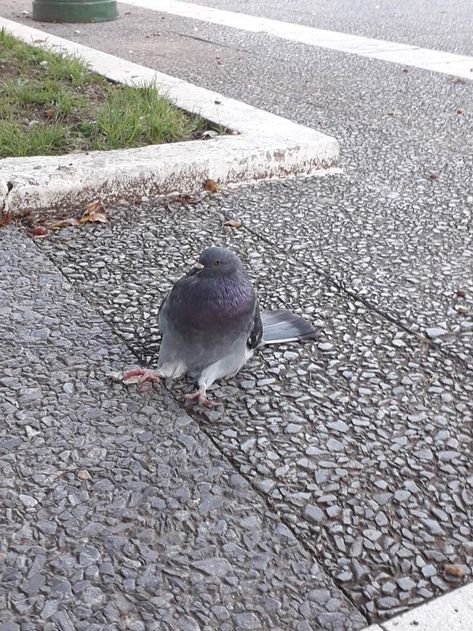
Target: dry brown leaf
x=5, y=219
x=40, y=232
x=233, y=223
x=184, y=198
x=63, y=223
x=211, y=185
x=461, y=293
x=454, y=570
x=94, y=212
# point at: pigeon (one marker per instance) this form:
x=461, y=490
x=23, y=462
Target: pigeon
x=211, y=324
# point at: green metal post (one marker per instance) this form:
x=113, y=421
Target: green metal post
x=74, y=10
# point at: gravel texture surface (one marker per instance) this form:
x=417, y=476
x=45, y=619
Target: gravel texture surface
x=362, y=439
x=118, y=512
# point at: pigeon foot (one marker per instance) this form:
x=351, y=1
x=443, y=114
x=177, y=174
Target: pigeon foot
x=144, y=374
x=200, y=396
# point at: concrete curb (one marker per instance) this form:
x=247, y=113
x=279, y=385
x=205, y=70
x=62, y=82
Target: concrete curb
x=451, y=612
x=266, y=146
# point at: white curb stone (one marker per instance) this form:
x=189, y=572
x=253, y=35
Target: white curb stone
x=266, y=146
x=451, y=612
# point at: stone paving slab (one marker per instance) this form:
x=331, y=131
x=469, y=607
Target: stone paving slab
x=361, y=440
x=379, y=247
x=118, y=511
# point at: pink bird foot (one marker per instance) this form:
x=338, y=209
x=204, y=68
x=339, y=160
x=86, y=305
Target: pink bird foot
x=199, y=396
x=145, y=374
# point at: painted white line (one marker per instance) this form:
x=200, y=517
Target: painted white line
x=267, y=146
x=452, y=612
x=406, y=54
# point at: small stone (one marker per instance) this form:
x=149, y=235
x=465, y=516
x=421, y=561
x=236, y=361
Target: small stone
x=381, y=519
x=401, y=496
x=313, y=513
x=246, y=621
x=429, y=570
x=33, y=584
x=334, y=445
x=387, y=602
x=372, y=534
x=49, y=609
x=264, y=485
x=216, y=566
x=293, y=428
x=89, y=555
x=186, y=623
x=28, y=500
x=388, y=588
x=406, y=583
x=220, y=612
x=325, y=347
x=435, y=332
x=83, y=474
x=334, y=511
x=63, y=621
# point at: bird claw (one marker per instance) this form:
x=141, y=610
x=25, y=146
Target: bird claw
x=144, y=374
x=199, y=396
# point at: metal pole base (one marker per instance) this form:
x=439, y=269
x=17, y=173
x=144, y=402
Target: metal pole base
x=74, y=10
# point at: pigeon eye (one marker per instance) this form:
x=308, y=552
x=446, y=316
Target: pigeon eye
x=217, y=263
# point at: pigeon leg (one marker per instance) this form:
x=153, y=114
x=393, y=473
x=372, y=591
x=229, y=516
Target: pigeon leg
x=145, y=374
x=200, y=396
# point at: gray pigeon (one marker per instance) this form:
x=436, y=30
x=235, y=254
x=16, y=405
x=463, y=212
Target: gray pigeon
x=211, y=325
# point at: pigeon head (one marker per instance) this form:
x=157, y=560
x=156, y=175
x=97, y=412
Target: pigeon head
x=216, y=261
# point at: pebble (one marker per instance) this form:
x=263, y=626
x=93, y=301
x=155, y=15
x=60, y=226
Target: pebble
x=435, y=332
x=313, y=513
x=429, y=570
x=293, y=428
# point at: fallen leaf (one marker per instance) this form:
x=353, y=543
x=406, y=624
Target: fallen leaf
x=184, y=198
x=5, y=218
x=40, y=232
x=94, y=212
x=461, y=293
x=460, y=111
x=63, y=223
x=454, y=570
x=463, y=310
x=211, y=185
x=233, y=223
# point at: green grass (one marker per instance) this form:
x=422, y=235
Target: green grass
x=51, y=105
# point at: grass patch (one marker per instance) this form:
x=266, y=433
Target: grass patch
x=51, y=105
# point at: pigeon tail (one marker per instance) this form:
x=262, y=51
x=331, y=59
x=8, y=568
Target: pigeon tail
x=283, y=326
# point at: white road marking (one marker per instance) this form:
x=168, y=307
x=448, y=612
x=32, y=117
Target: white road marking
x=405, y=54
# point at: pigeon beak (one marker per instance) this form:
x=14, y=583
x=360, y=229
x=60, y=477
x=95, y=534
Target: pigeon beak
x=198, y=266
